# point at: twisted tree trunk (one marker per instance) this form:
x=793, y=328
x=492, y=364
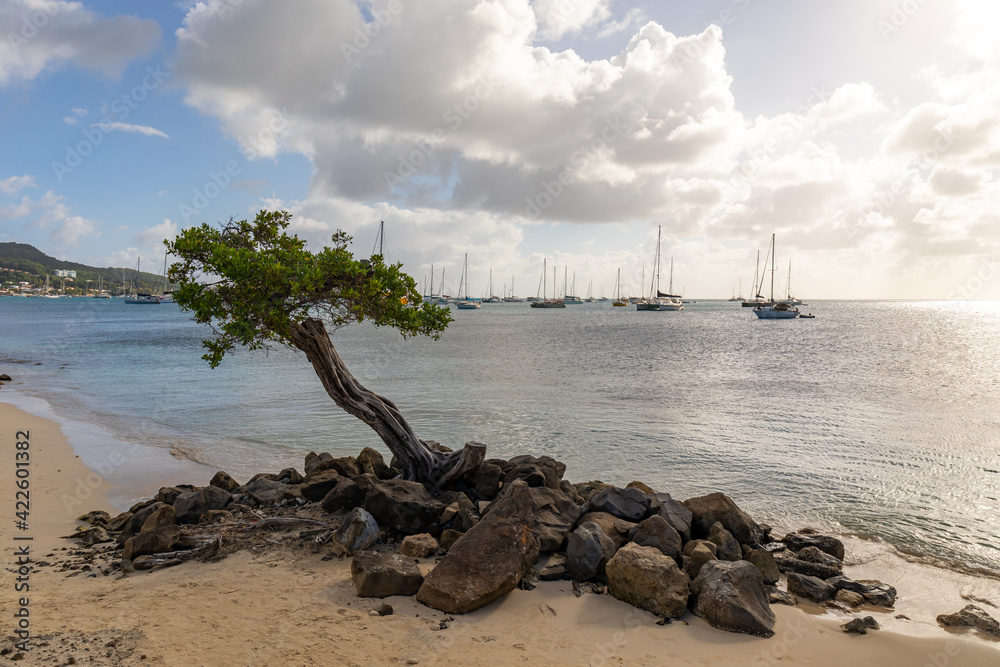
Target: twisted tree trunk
x=420, y=462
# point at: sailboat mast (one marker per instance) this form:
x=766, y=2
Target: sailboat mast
x=772, y=269
x=545, y=282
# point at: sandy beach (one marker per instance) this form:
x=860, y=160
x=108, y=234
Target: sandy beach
x=292, y=607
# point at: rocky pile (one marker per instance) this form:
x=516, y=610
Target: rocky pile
x=506, y=524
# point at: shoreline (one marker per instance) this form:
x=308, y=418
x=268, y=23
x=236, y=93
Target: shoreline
x=307, y=609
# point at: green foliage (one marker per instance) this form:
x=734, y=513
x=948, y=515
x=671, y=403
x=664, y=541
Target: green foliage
x=260, y=282
x=16, y=257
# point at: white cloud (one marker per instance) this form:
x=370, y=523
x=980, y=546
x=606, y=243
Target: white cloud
x=558, y=18
x=128, y=127
x=45, y=34
x=14, y=183
x=153, y=237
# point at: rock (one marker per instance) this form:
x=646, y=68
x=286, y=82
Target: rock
x=419, y=546
x=551, y=567
x=777, y=596
x=588, y=551
x=642, y=487
x=134, y=524
x=168, y=494
x=486, y=481
x=312, y=460
x=289, y=476
x=763, y=561
x=831, y=545
x=448, y=538
x=541, y=471
x=628, y=504
x=849, y=598
x=973, y=617
x=269, y=492
x=706, y=510
x=587, y=489
x=385, y=609
x=678, y=516
x=95, y=518
x=702, y=552
x=224, y=482
x=91, y=536
x=815, y=555
x=810, y=588
x=359, y=531
x=119, y=522
x=347, y=495
x=379, y=575
x=730, y=596
x=856, y=626
x=216, y=516
x=371, y=462
x=164, y=516
x=728, y=547
x=191, y=505
x=151, y=542
x=487, y=562
x=646, y=578
x=656, y=532
x=693, y=544
x=404, y=506
x=5, y=378
x=556, y=512
x=317, y=484
x=874, y=592
x=569, y=489
x=345, y=466
x=791, y=564
x=263, y=475
x=465, y=520
x=617, y=529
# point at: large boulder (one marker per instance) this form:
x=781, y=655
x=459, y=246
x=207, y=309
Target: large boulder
x=345, y=496
x=698, y=552
x=371, y=462
x=486, y=481
x=973, y=617
x=764, y=561
x=191, y=505
x=588, y=551
x=730, y=596
x=617, y=529
x=556, y=512
x=345, y=466
x=379, y=575
x=792, y=564
x=419, y=546
x=706, y=510
x=657, y=532
x=489, y=560
x=269, y=492
x=135, y=521
x=164, y=516
x=815, y=555
x=404, y=506
x=727, y=546
x=810, y=588
x=825, y=543
x=541, y=471
x=646, y=578
x=224, y=482
x=318, y=483
x=628, y=504
x=155, y=541
x=359, y=531
x=874, y=592
x=678, y=516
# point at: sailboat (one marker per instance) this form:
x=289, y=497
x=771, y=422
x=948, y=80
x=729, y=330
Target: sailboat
x=757, y=299
x=137, y=298
x=511, y=298
x=737, y=295
x=790, y=300
x=465, y=303
x=662, y=301
x=547, y=303
x=590, y=293
x=166, y=297
x=491, y=297
x=48, y=294
x=568, y=297
x=775, y=311
x=100, y=289
x=619, y=299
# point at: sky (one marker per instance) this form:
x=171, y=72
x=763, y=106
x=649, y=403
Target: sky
x=863, y=134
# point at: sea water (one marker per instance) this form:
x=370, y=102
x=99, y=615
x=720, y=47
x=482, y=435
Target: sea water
x=877, y=419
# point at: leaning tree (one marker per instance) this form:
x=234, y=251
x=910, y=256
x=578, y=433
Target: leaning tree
x=256, y=286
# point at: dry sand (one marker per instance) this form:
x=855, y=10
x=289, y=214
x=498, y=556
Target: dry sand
x=293, y=608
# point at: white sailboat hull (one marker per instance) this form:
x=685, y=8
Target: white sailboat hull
x=769, y=313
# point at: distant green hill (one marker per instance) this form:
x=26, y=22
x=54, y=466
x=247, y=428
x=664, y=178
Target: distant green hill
x=24, y=262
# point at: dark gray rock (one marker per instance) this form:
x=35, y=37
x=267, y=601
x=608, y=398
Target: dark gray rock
x=656, y=532
x=700, y=552
x=617, y=529
x=289, y=476
x=815, y=555
x=810, y=588
x=168, y=494
x=588, y=551
x=345, y=466
x=191, y=505
x=764, y=561
x=134, y=524
x=540, y=471
x=628, y=504
x=646, y=578
x=164, y=516
x=404, y=506
x=860, y=626
x=318, y=483
x=706, y=510
x=727, y=546
x=973, y=617
x=556, y=512
x=370, y=461
x=379, y=575
x=358, y=532
x=119, y=522
x=95, y=518
x=345, y=496
x=587, y=489
x=730, y=596
x=874, y=592
x=678, y=516
x=777, y=596
x=551, y=567
x=486, y=481
x=224, y=482
x=490, y=560
x=269, y=492
x=151, y=542
x=831, y=545
x=791, y=564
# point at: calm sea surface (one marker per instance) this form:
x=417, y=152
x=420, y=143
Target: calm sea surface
x=880, y=419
